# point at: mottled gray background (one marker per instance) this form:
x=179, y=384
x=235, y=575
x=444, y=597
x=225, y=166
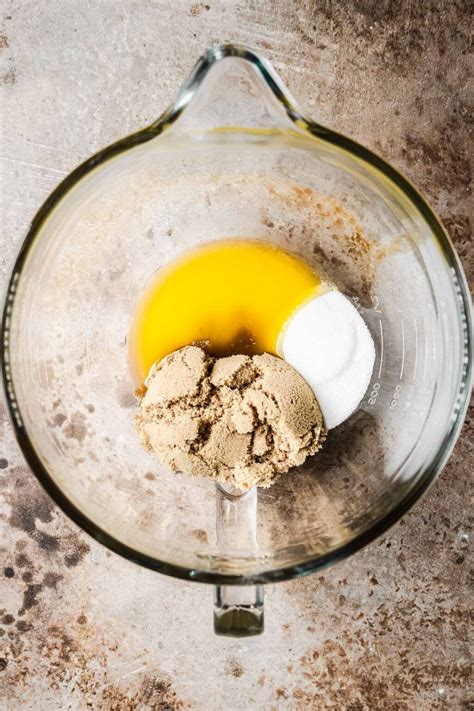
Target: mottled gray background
x=82, y=628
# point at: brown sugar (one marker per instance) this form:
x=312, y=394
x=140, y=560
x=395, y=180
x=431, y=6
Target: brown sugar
x=241, y=420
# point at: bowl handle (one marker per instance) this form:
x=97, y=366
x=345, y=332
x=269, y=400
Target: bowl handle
x=238, y=609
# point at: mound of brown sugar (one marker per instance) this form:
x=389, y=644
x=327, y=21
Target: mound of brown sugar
x=242, y=420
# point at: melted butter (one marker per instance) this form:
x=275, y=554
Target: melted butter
x=230, y=297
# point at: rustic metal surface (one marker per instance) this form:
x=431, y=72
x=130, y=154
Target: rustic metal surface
x=81, y=628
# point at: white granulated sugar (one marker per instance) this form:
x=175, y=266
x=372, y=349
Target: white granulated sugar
x=328, y=343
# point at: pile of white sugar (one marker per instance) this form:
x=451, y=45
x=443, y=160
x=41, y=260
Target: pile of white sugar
x=328, y=343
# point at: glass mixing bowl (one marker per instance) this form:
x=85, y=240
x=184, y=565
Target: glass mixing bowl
x=233, y=157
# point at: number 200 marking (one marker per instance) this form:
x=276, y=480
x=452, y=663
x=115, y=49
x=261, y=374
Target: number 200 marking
x=374, y=393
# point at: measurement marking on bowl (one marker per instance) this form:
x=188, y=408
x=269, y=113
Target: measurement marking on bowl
x=381, y=349
x=426, y=355
x=416, y=349
x=409, y=397
x=376, y=304
x=403, y=349
x=395, y=397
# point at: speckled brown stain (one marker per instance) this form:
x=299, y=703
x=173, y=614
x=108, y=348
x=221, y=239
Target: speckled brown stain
x=387, y=630
x=29, y=509
x=79, y=658
x=402, y=55
x=391, y=645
